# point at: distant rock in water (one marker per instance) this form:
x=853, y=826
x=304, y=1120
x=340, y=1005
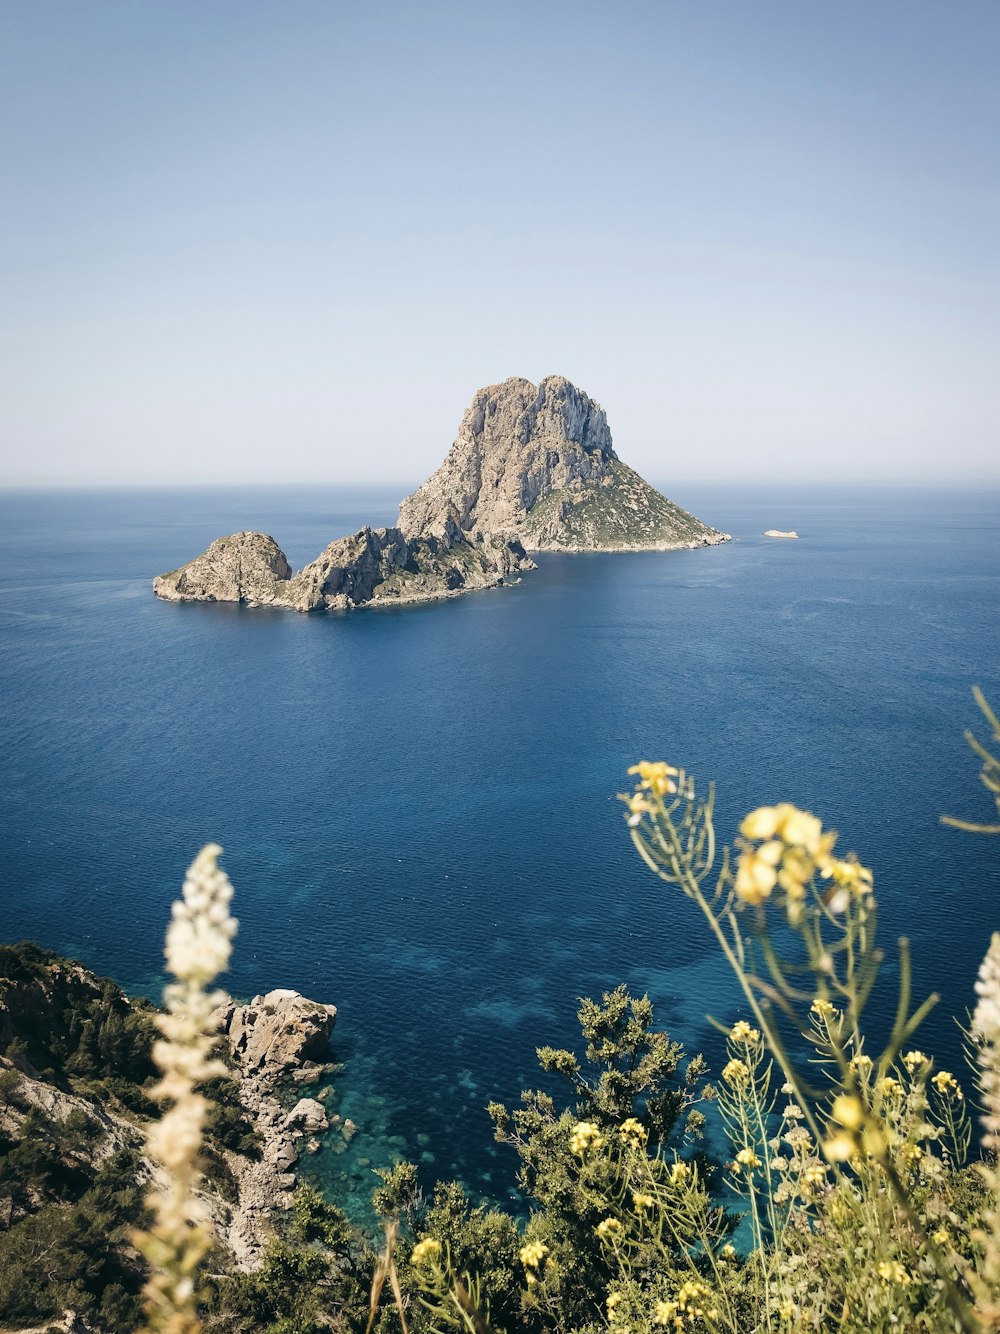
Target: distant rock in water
x=780, y=532
x=246, y=567
x=532, y=467
x=375, y=566
x=537, y=463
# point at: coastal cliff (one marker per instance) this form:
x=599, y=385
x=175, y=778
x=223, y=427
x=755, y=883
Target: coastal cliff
x=532, y=468
x=75, y=1074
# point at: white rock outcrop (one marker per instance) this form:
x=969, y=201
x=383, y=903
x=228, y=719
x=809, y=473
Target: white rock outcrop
x=273, y=1038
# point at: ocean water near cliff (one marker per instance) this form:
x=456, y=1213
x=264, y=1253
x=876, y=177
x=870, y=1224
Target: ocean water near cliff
x=418, y=805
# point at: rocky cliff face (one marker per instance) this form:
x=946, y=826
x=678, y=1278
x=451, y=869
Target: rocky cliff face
x=536, y=462
x=245, y=567
x=533, y=466
x=274, y=1038
x=381, y=566
x=65, y=1031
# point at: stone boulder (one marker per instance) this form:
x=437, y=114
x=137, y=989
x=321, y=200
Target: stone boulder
x=308, y=1115
x=276, y=1033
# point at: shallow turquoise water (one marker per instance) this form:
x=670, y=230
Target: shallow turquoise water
x=418, y=806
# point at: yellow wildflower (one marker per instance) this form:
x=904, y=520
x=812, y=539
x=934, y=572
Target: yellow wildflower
x=426, y=1252
x=761, y=823
x=532, y=1254
x=746, y=1159
x=614, y=1300
x=861, y=1063
x=664, y=1313
x=814, y=1176
x=679, y=1174
x=940, y=1237
x=756, y=872
x=891, y=1271
x=736, y=1072
x=656, y=776
x=641, y=1200
x=796, y=871
x=633, y=1130
x=584, y=1135
x=692, y=1293
x=912, y=1154
x=848, y=1111
x=848, y=874
x=608, y=1227
x=799, y=828
x=839, y=1148
x=888, y=1087
x=873, y=1141
x=914, y=1061
x=728, y=1253
x=822, y=1008
x=742, y=1032
x=946, y=1084
x=638, y=806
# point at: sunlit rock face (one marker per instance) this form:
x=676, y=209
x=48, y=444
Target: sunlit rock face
x=536, y=462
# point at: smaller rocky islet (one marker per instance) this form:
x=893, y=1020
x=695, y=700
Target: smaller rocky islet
x=532, y=469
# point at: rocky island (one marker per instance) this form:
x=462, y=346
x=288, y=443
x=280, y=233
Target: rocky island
x=532, y=469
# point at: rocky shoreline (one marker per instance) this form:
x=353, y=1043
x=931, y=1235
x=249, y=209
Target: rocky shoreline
x=275, y=1039
x=272, y=1044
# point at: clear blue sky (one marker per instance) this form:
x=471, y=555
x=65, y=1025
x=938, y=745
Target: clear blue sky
x=256, y=242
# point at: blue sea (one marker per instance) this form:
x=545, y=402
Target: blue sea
x=418, y=805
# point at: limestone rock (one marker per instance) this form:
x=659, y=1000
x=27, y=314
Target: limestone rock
x=285, y=1155
x=536, y=463
x=307, y=1114
x=277, y=1032
x=244, y=567
x=380, y=566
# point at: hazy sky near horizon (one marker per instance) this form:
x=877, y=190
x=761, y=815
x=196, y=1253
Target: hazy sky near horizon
x=260, y=242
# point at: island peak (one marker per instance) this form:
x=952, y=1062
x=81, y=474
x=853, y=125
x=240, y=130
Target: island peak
x=536, y=462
